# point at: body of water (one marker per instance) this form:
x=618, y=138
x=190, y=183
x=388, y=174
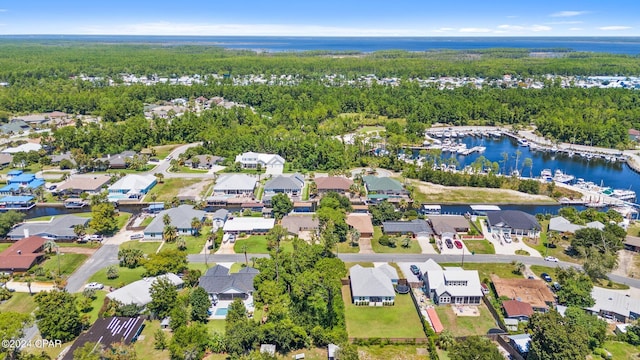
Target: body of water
x=614, y=45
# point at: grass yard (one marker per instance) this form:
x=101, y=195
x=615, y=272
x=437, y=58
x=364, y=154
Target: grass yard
x=216, y=326
x=348, y=265
x=414, y=247
x=20, y=302
x=438, y=194
x=96, y=305
x=147, y=221
x=539, y=269
x=86, y=245
x=466, y=325
x=504, y=270
x=189, y=170
x=257, y=244
x=557, y=251
x=125, y=276
x=634, y=230
x=68, y=263
x=169, y=188
x=162, y=151
x=404, y=352
x=345, y=247
x=195, y=244
x=4, y=246
x=622, y=350
x=147, y=247
x=400, y=320
x=479, y=246
x=144, y=346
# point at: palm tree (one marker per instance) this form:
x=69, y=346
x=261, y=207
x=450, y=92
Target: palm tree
x=169, y=234
x=406, y=242
x=49, y=246
x=181, y=243
x=159, y=177
x=196, y=224
x=79, y=230
x=528, y=162
x=354, y=236
x=166, y=220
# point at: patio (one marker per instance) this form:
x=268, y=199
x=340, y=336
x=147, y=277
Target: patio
x=219, y=310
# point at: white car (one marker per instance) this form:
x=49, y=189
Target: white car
x=551, y=258
x=507, y=237
x=94, y=285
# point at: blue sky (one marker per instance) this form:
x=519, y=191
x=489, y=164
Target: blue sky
x=323, y=18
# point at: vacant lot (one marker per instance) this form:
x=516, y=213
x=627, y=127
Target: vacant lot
x=125, y=276
x=257, y=244
x=147, y=247
x=195, y=244
x=414, y=247
x=67, y=265
x=170, y=188
x=469, y=195
x=466, y=325
x=398, y=321
x=480, y=246
x=20, y=302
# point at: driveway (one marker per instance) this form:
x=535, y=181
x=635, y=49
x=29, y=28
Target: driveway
x=427, y=248
x=365, y=246
x=504, y=248
x=105, y=256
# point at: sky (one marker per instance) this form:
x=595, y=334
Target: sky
x=323, y=18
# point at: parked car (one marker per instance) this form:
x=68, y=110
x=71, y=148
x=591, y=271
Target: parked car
x=555, y=287
x=94, y=285
x=458, y=244
x=414, y=269
x=136, y=236
x=551, y=258
x=232, y=238
x=506, y=237
x=449, y=243
x=546, y=277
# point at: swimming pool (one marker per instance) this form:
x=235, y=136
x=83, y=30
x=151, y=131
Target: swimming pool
x=222, y=311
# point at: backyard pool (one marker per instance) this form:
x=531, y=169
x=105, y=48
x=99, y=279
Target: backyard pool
x=222, y=311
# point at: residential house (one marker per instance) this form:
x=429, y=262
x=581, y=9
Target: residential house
x=22, y=254
x=5, y=160
x=235, y=184
x=22, y=148
x=119, y=161
x=17, y=203
x=415, y=228
x=515, y=222
x=614, y=305
x=389, y=270
x=448, y=224
x=304, y=206
x=56, y=159
x=298, y=224
x=248, y=225
x=273, y=163
x=371, y=286
x=220, y=284
x=219, y=217
x=138, y=292
x=19, y=183
x=562, y=225
x=452, y=285
x=86, y=183
x=132, y=186
x=361, y=222
x=15, y=126
x=60, y=228
x=181, y=218
x=535, y=292
x=516, y=309
x=383, y=188
x=107, y=332
x=332, y=351
x=634, y=135
x=632, y=243
x=281, y=184
x=36, y=119
x=338, y=184
x=203, y=162
x=521, y=343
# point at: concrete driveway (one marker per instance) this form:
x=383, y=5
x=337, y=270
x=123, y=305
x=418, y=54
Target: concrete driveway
x=505, y=248
x=425, y=245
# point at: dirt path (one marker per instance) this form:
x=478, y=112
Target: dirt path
x=78, y=250
x=627, y=264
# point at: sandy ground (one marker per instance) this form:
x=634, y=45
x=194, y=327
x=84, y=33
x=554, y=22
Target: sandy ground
x=509, y=195
x=196, y=189
x=36, y=287
x=627, y=264
x=77, y=250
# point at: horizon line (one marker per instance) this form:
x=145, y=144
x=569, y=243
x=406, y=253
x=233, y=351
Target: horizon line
x=340, y=36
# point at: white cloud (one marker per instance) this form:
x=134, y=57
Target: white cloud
x=564, y=22
x=614, y=28
x=443, y=30
x=576, y=29
x=518, y=28
x=568, y=13
x=474, y=30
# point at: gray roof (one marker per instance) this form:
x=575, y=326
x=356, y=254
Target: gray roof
x=296, y=223
x=374, y=183
x=14, y=127
x=285, y=183
x=370, y=282
x=414, y=226
x=561, y=224
x=221, y=214
x=235, y=182
x=614, y=301
x=65, y=156
x=61, y=226
x=514, y=219
x=5, y=159
x=181, y=218
x=138, y=291
x=449, y=223
x=218, y=280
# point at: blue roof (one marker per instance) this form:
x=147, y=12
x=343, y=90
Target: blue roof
x=14, y=172
x=23, y=178
x=10, y=187
x=16, y=199
x=36, y=183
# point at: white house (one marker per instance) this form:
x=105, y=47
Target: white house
x=453, y=286
x=248, y=225
x=614, y=305
x=131, y=186
x=273, y=163
x=371, y=286
x=235, y=184
x=181, y=218
x=138, y=292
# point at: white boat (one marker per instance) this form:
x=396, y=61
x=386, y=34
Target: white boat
x=546, y=174
x=515, y=173
x=571, y=153
x=561, y=177
x=461, y=148
x=523, y=142
x=622, y=194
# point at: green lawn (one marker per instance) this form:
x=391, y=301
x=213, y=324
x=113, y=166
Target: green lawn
x=557, y=251
x=257, y=244
x=162, y=151
x=96, y=305
x=345, y=247
x=195, y=244
x=20, y=302
x=4, y=246
x=122, y=219
x=399, y=320
x=622, y=350
x=125, y=276
x=68, y=263
x=539, y=269
x=466, y=325
x=188, y=170
x=480, y=246
x=87, y=245
x=216, y=326
x=169, y=189
x=145, y=345
x=414, y=247
x=147, y=221
x=201, y=266
x=147, y=247
x=486, y=269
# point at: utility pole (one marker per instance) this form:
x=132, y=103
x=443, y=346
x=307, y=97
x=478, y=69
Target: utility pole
x=58, y=256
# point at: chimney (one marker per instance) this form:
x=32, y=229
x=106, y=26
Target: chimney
x=26, y=233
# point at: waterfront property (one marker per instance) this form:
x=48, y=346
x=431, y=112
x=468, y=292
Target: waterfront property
x=22, y=254
x=417, y=227
x=514, y=222
x=442, y=224
x=78, y=184
x=383, y=188
x=562, y=225
x=534, y=292
x=60, y=228
x=220, y=284
x=235, y=184
x=131, y=186
x=273, y=163
x=338, y=184
x=181, y=218
x=19, y=182
x=17, y=203
x=371, y=286
x=138, y=292
x=107, y=332
x=452, y=285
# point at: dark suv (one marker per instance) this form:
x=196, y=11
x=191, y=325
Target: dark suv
x=414, y=269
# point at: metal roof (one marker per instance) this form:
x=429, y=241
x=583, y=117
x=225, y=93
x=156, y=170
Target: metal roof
x=370, y=282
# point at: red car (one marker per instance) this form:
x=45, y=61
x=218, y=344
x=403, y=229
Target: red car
x=458, y=244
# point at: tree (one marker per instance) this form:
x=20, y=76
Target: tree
x=554, y=337
x=166, y=261
x=49, y=246
x=385, y=211
x=445, y=340
x=159, y=177
x=196, y=225
x=79, y=230
x=200, y=304
x=354, y=236
x=11, y=326
x=528, y=162
x=596, y=328
x=163, y=297
x=130, y=258
x=474, y=348
x=170, y=233
x=89, y=351
x=8, y=219
x=189, y=342
x=275, y=235
x=112, y=272
x=282, y=205
x=518, y=267
x=181, y=243
x=192, y=277
x=57, y=315
x=166, y=219
x=575, y=288
x=103, y=218
x=406, y=242
x=598, y=264
x=160, y=340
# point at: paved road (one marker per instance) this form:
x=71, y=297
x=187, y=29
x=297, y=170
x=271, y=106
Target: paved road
x=164, y=165
x=103, y=257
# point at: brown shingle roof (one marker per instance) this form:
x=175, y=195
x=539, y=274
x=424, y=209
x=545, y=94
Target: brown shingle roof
x=333, y=183
x=515, y=308
x=85, y=182
x=362, y=222
x=534, y=292
x=22, y=254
